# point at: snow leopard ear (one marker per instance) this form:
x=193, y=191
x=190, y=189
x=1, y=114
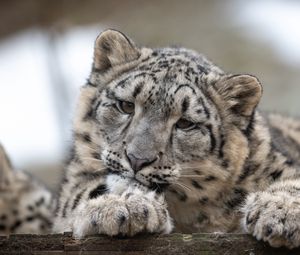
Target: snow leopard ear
x=113, y=48
x=6, y=170
x=241, y=93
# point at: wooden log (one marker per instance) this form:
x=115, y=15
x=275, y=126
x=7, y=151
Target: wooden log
x=203, y=244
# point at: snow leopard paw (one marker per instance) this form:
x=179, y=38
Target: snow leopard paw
x=274, y=218
x=131, y=213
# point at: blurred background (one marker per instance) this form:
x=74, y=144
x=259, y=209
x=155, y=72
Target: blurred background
x=46, y=51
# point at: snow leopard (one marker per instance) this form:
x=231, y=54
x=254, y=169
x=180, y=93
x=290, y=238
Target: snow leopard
x=165, y=140
x=26, y=205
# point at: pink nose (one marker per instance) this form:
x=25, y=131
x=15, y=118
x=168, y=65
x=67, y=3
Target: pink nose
x=138, y=164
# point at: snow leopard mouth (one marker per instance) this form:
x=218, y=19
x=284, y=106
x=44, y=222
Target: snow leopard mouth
x=154, y=186
x=159, y=187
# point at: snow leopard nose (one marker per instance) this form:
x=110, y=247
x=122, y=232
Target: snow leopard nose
x=138, y=164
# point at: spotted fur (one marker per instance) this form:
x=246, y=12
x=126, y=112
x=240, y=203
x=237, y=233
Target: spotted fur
x=164, y=137
x=26, y=206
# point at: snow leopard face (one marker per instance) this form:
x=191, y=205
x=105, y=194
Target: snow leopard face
x=157, y=118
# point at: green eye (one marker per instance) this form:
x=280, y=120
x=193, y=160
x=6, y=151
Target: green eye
x=185, y=124
x=125, y=107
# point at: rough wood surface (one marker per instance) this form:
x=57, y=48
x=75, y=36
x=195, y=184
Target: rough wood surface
x=208, y=244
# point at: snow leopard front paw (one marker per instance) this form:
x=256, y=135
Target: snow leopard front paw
x=274, y=218
x=147, y=213
x=131, y=213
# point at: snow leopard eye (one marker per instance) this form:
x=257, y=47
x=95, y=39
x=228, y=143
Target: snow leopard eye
x=125, y=107
x=185, y=124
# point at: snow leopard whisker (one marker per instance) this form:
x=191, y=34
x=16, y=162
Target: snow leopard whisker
x=190, y=167
x=86, y=146
x=192, y=176
x=181, y=185
x=94, y=159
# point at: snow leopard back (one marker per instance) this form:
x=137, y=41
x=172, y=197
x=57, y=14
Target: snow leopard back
x=26, y=206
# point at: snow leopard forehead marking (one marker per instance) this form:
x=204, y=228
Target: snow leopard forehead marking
x=168, y=64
